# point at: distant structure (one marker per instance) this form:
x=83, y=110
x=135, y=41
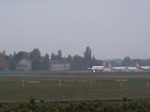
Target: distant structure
x=24, y=65
x=60, y=66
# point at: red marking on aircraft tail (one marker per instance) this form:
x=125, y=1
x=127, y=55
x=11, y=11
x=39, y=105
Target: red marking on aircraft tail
x=111, y=68
x=138, y=66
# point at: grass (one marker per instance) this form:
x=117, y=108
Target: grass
x=11, y=88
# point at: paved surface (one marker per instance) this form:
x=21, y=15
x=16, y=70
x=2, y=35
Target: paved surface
x=83, y=75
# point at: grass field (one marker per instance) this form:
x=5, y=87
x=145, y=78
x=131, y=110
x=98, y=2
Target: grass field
x=15, y=88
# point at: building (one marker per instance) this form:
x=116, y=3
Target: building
x=24, y=65
x=60, y=66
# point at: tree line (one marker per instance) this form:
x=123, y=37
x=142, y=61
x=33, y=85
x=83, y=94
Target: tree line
x=39, y=62
x=140, y=105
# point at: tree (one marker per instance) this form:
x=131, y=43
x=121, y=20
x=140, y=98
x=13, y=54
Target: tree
x=135, y=61
x=69, y=59
x=114, y=63
x=53, y=56
x=78, y=63
x=35, y=56
x=59, y=54
x=2, y=62
x=148, y=62
x=11, y=63
x=98, y=62
x=127, y=61
x=88, y=57
x=46, y=62
x=21, y=55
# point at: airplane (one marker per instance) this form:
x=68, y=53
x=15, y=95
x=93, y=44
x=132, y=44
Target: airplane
x=117, y=68
x=131, y=69
x=97, y=68
x=142, y=68
x=127, y=69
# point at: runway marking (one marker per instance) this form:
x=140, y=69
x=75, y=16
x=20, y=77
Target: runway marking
x=122, y=80
x=104, y=76
x=35, y=82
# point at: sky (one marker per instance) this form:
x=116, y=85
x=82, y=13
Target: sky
x=112, y=28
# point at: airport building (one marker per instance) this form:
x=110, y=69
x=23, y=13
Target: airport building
x=24, y=65
x=60, y=66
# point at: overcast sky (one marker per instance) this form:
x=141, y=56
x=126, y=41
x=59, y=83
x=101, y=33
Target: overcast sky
x=112, y=28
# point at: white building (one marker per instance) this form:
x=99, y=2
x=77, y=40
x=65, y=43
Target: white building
x=60, y=66
x=24, y=65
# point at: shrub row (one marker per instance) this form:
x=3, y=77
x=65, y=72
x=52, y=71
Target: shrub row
x=141, y=105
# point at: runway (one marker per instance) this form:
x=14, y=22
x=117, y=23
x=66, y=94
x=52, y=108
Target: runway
x=74, y=85
x=81, y=75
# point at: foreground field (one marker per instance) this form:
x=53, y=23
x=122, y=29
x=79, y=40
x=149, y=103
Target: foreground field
x=20, y=88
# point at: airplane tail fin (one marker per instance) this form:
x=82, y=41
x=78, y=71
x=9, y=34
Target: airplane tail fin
x=104, y=65
x=110, y=67
x=138, y=66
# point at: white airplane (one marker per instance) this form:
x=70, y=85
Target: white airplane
x=131, y=69
x=117, y=68
x=97, y=68
x=142, y=68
